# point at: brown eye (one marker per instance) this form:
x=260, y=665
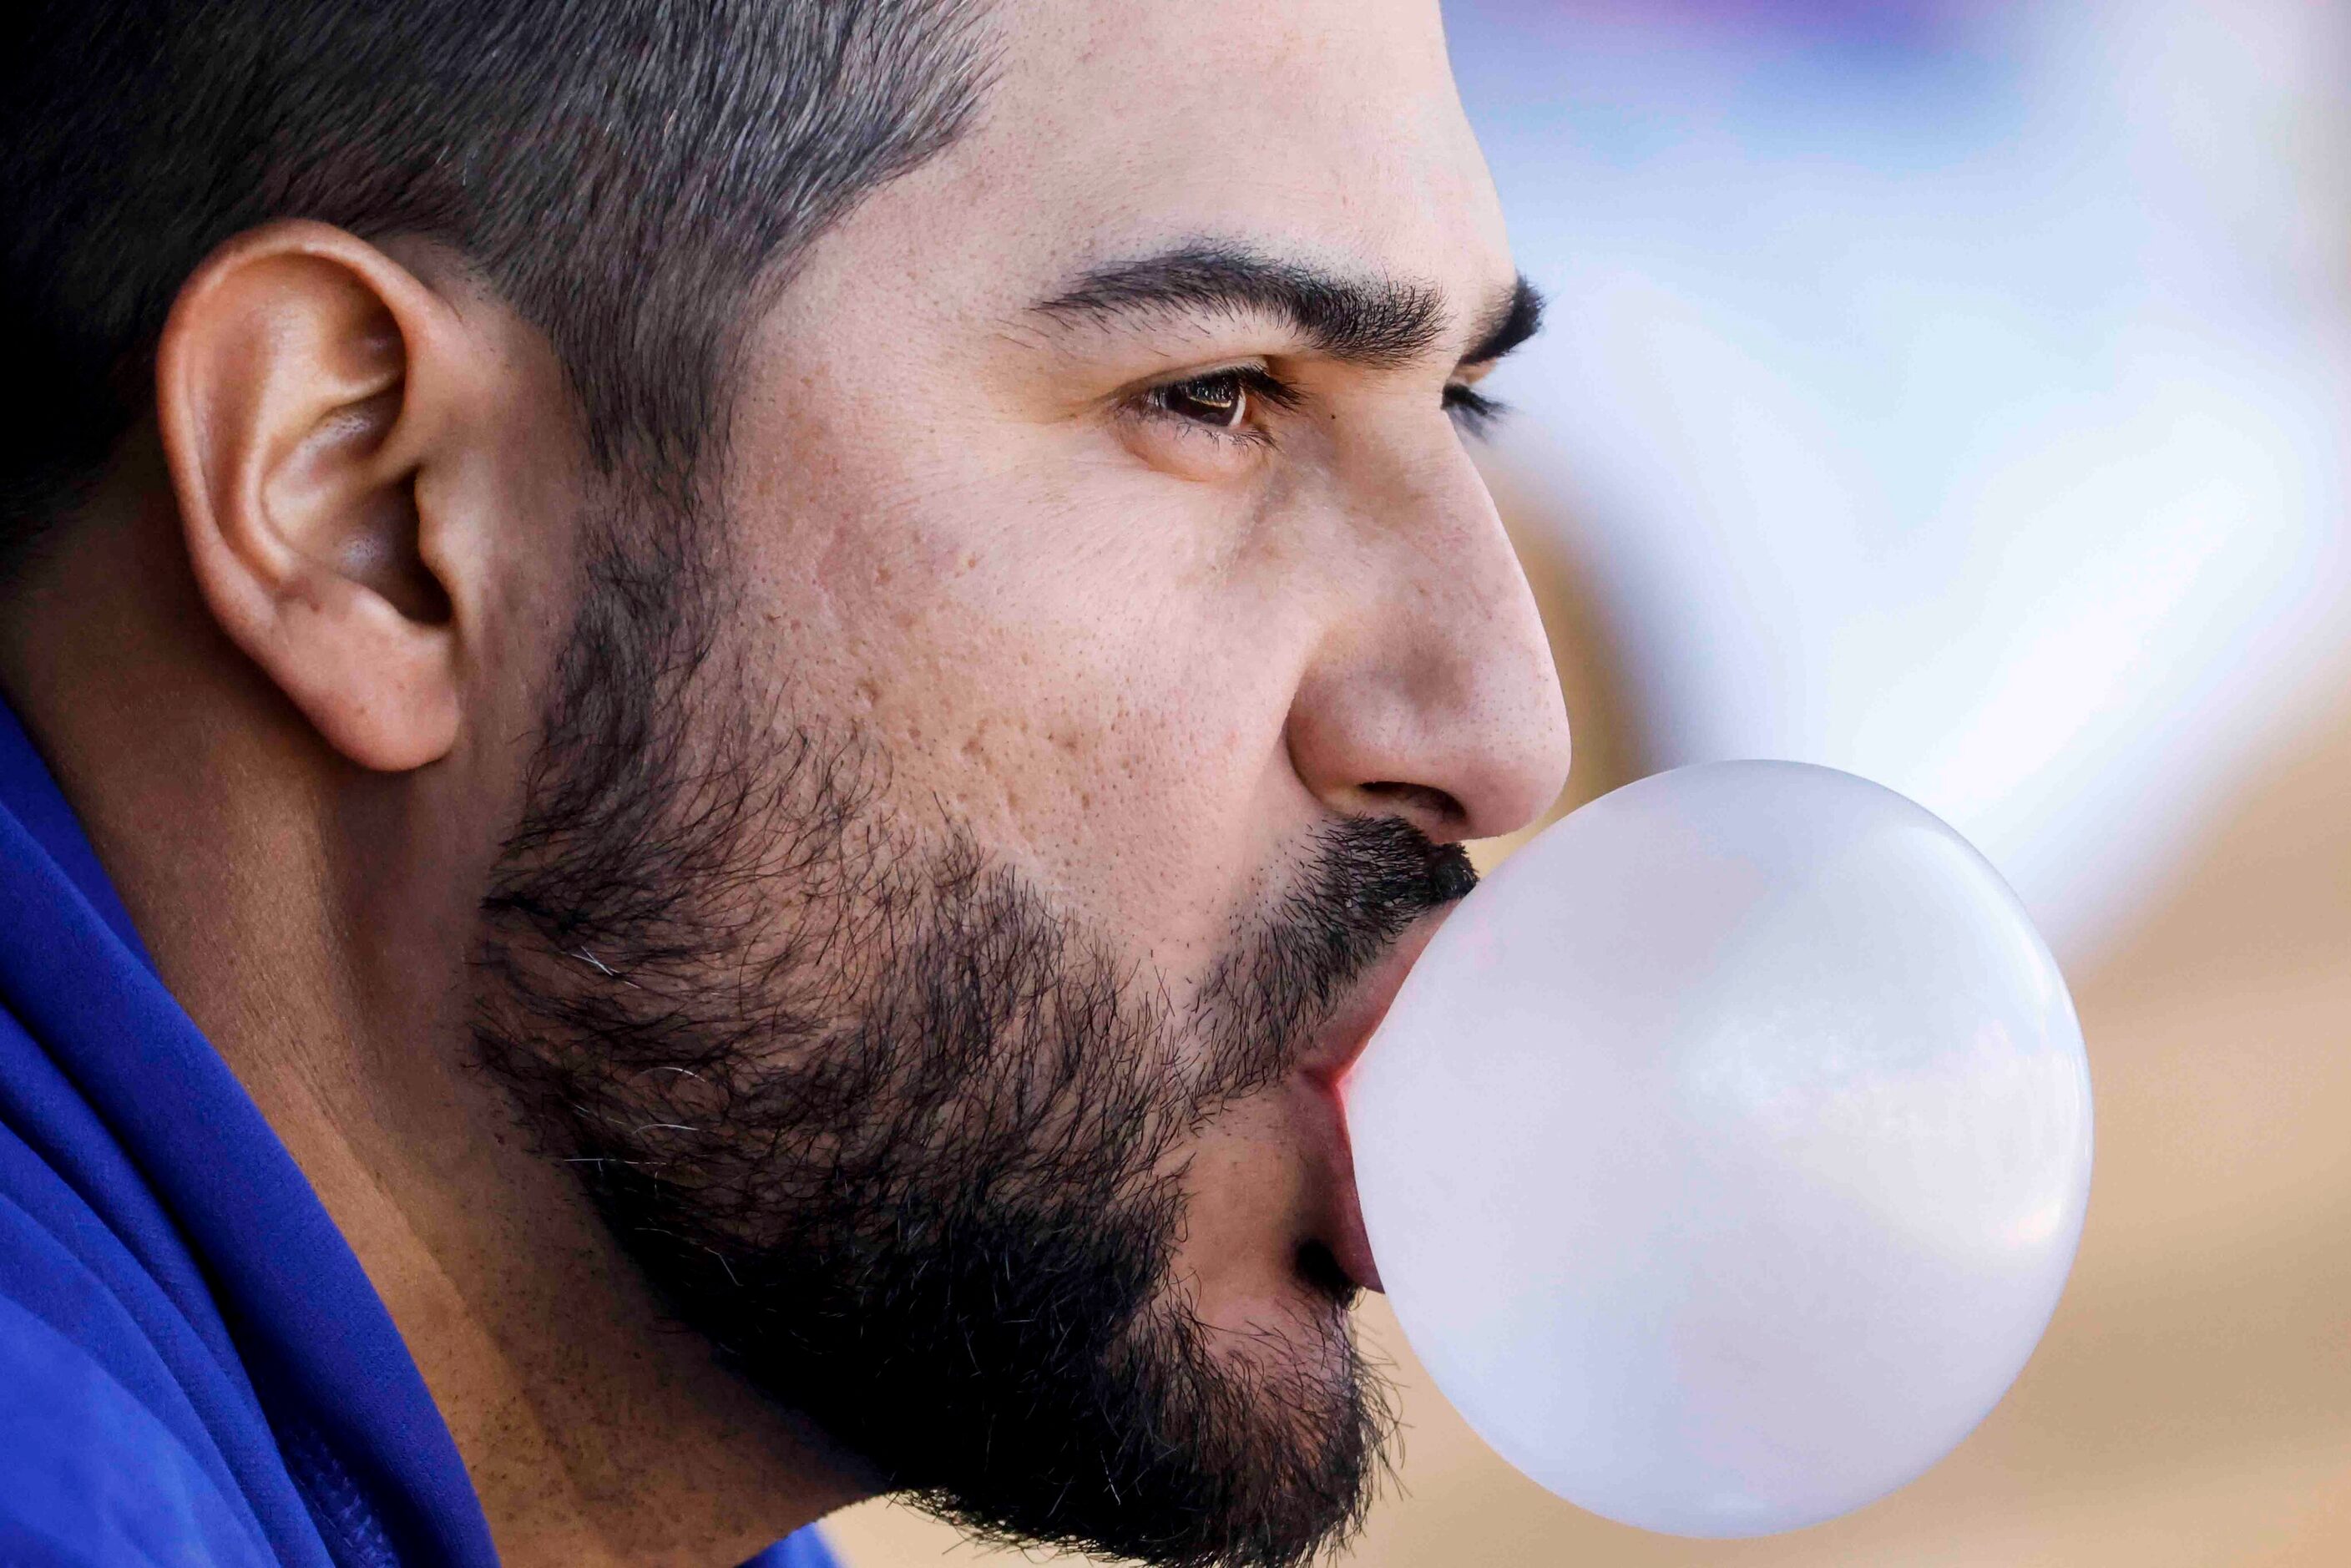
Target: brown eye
x=1218, y=400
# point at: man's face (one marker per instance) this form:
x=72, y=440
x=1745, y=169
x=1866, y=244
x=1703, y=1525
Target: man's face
x=1036, y=774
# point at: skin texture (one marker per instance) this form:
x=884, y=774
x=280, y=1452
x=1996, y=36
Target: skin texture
x=290, y=663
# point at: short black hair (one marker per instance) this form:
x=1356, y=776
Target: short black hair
x=626, y=174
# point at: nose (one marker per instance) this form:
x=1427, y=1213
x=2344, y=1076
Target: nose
x=1432, y=694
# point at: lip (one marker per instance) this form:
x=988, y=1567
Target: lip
x=1339, y=1045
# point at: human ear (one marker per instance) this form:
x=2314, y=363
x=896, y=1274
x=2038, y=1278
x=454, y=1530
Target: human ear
x=309, y=392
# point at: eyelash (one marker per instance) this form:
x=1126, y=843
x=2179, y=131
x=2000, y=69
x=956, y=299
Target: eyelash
x=1472, y=412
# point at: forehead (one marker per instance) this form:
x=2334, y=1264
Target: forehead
x=1323, y=129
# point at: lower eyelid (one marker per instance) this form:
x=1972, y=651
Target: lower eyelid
x=1243, y=435
x=1142, y=413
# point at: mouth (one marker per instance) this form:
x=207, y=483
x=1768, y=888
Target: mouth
x=1338, y=1257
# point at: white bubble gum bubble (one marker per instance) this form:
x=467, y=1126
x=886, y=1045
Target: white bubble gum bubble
x=1725, y=1154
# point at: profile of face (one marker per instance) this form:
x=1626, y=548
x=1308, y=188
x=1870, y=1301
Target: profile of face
x=926, y=866
x=971, y=835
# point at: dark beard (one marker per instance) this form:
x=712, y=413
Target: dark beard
x=894, y=1133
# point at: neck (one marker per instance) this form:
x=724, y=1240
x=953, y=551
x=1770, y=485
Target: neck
x=314, y=921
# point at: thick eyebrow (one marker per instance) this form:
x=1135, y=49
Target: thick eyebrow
x=1369, y=321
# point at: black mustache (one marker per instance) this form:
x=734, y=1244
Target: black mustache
x=1368, y=879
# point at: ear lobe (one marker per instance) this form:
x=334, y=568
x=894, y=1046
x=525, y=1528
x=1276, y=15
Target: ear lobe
x=297, y=400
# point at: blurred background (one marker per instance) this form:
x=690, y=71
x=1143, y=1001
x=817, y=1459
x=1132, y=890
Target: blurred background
x=1960, y=394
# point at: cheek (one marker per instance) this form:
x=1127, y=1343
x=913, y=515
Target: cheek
x=1071, y=667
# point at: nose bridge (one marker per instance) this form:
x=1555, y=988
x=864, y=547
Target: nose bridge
x=1442, y=678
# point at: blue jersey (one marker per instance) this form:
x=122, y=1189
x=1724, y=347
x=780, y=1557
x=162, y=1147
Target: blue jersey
x=193, y=1367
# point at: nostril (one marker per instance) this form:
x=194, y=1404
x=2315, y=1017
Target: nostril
x=1432, y=810
x=1319, y=1267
